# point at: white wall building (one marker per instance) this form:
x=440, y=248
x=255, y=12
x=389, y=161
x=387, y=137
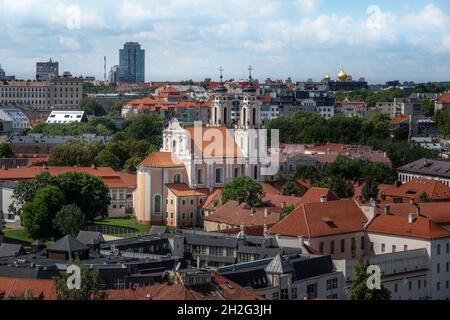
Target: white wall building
x=65, y=117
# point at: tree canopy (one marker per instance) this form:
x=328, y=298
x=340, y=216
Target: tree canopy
x=360, y=290
x=243, y=189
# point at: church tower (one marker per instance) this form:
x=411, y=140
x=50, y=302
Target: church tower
x=221, y=110
x=250, y=107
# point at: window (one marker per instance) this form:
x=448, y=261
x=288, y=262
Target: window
x=284, y=294
x=395, y=288
x=332, y=284
x=177, y=178
x=157, y=204
x=219, y=175
x=405, y=247
x=446, y=267
x=447, y=248
x=438, y=286
x=410, y=285
x=275, y=296
x=321, y=248
x=371, y=247
x=438, y=268
x=419, y=284
x=294, y=294
x=438, y=249
x=362, y=243
x=394, y=248
x=342, y=245
x=237, y=172
x=383, y=247
x=332, y=247
x=200, y=176
x=446, y=284
x=311, y=291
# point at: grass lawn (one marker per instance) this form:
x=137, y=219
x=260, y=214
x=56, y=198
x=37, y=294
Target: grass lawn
x=17, y=235
x=128, y=222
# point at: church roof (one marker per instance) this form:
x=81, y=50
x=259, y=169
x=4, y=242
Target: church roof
x=162, y=160
x=215, y=142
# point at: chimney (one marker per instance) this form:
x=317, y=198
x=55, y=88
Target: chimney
x=323, y=198
x=411, y=218
x=252, y=212
x=242, y=230
x=387, y=210
x=93, y=166
x=266, y=212
x=283, y=205
x=44, y=166
x=412, y=202
x=266, y=231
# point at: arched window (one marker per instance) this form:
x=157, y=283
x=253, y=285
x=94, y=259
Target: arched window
x=157, y=204
x=225, y=120
x=244, y=116
x=255, y=172
x=254, y=117
x=177, y=178
x=215, y=115
x=174, y=145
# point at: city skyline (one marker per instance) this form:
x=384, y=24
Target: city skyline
x=190, y=39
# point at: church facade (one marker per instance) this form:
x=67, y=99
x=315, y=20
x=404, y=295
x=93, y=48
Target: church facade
x=174, y=183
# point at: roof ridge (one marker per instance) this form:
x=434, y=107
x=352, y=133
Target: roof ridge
x=306, y=220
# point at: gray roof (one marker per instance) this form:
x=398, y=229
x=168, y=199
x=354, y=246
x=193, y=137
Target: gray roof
x=279, y=265
x=67, y=244
x=158, y=229
x=428, y=167
x=10, y=250
x=90, y=237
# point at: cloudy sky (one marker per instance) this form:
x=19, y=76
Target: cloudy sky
x=184, y=39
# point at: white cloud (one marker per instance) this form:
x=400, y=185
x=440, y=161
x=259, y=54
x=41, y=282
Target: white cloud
x=70, y=43
x=308, y=6
x=430, y=16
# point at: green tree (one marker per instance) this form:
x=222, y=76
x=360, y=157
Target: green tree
x=379, y=173
x=26, y=190
x=360, y=290
x=72, y=153
x=424, y=197
x=401, y=134
x=342, y=187
x=5, y=150
x=90, y=285
x=369, y=190
x=144, y=127
x=290, y=189
x=243, y=189
x=86, y=191
x=69, y=220
x=307, y=173
x=92, y=107
x=427, y=108
x=37, y=215
x=442, y=118
x=285, y=212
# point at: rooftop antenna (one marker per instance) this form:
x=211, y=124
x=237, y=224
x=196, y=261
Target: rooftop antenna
x=221, y=74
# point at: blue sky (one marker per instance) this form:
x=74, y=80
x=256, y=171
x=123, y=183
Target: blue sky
x=378, y=40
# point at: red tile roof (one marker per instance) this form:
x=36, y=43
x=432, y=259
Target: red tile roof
x=438, y=212
x=422, y=228
x=436, y=190
x=220, y=289
x=214, y=199
x=183, y=190
x=315, y=194
x=111, y=178
x=322, y=219
x=15, y=287
x=214, y=142
x=162, y=160
x=273, y=200
x=445, y=98
x=235, y=214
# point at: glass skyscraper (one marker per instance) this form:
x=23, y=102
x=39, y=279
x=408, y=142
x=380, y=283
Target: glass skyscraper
x=132, y=63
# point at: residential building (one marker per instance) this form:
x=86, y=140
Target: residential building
x=414, y=191
x=66, y=117
x=426, y=168
x=295, y=277
x=121, y=185
x=63, y=93
x=132, y=63
x=13, y=120
x=443, y=102
x=47, y=70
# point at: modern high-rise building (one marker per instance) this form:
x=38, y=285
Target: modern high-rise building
x=114, y=74
x=47, y=70
x=131, y=63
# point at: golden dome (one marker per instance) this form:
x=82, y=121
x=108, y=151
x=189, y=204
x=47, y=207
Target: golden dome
x=327, y=77
x=342, y=75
